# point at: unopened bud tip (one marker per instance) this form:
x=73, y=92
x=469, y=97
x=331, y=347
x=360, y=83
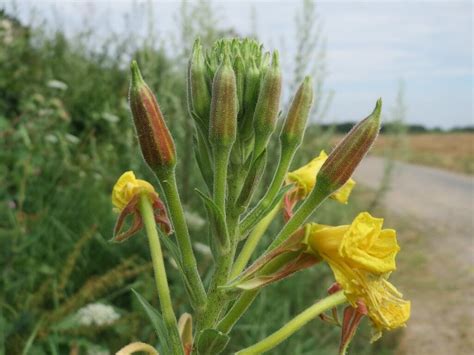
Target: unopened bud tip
x=308, y=80
x=136, y=74
x=275, y=59
x=378, y=107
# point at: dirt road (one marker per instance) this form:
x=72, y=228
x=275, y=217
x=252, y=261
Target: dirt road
x=435, y=213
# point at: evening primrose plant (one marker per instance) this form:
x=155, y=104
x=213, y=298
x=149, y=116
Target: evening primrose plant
x=234, y=92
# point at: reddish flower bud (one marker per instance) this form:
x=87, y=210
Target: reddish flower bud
x=224, y=106
x=295, y=123
x=156, y=143
x=347, y=155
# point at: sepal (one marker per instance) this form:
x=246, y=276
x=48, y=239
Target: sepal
x=291, y=256
x=133, y=209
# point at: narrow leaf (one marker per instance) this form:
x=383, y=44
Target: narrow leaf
x=218, y=224
x=157, y=322
x=211, y=342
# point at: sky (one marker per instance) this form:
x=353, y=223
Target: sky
x=372, y=47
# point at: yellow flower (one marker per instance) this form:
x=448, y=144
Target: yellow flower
x=127, y=187
x=125, y=198
x=304, y=179
x=361, y=257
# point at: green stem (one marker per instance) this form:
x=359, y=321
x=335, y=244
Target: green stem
x=252, y=242
x=161, y=280
x=237, y=310
x=216, y=297
x=243, y=303
x=197, y=292
x=295, y=324
x=317, y=196
x=221, y=160
x=286, y=156
x=245, y=300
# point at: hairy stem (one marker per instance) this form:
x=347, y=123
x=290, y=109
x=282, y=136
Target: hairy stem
x=197, y=292
x=252, y=242
x=161, y=280
x=317, y=196
x=221, y=160
x=286, y=156
x=237, y=310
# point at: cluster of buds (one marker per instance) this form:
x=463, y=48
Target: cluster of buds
x=233, y=95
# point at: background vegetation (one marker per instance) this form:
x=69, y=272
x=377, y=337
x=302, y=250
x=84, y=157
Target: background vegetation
x=65, y=136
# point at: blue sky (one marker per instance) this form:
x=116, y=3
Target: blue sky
x=371, y=47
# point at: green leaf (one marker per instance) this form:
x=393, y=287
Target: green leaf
x=211, y=342
x=202, y=155
x=157, y=322
x=173, y=250
x=218, y=224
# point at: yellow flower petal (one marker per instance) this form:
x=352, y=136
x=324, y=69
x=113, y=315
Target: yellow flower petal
x=361, y=257
x=305, y=177
x=387, y=309
x=342, y=195
x=128, y=186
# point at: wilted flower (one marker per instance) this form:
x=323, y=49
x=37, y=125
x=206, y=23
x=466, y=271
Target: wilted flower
x=361, y=257
x=125, y=196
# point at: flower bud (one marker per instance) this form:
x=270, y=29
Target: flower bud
x=266, y=111
x=347, y=155
x=295, y=123
x=240, y=83
x=223, y=117
x=252, y=85
x=155, y=140
x=199, y=97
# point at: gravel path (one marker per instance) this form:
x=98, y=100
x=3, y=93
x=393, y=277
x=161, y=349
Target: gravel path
x=436, y=267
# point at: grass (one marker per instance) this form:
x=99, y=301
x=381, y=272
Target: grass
x=449, y=151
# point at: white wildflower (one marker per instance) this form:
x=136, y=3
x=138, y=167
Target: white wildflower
x=56, y=84
x=97, y=314
x=194, y=220
x=202, y=249
x=109, y=117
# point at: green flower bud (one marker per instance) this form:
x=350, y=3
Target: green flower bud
x=252, y=86
x=155, y=139
x=347, y=155
x=199, y=97
x=239, y=68
x=295, y=123
x=223, y=118
x=266, y=111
